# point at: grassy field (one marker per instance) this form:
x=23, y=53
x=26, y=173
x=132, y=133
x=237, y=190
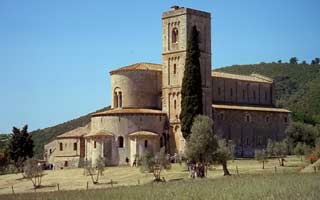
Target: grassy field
x=74, y=179
x=280, y=186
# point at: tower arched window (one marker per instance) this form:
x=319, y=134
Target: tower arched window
x=120, y=100
x=117, y=98
x=120, y=142
x=174, y=68
x=175, y=35
x=175, y=104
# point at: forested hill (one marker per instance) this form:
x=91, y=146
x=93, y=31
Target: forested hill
x=43, y=136
x=297, y=86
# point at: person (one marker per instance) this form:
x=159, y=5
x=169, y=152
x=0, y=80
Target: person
x=127, y=160
x=134, y=163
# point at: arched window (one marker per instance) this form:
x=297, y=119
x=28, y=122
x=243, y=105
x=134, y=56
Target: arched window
x=120, y=100
x=146, y=144
x=174, y=69
x=120, y=142
x=94, y=144
x=248, y=117
x=117, y=98
x=221, y=116
x=267, y=119
x=175, y=35
x=175, y=104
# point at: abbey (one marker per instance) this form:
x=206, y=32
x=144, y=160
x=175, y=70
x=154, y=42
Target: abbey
x=146, y=104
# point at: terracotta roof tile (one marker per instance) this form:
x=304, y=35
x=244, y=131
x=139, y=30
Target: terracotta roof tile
x=250, y=108
x=252, y=77
x=143, y=134
x=102, y=133
x=129, y=111
x=139, y=66
x=76, y=133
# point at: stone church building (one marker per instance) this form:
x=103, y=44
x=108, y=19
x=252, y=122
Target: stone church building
x=146, y=103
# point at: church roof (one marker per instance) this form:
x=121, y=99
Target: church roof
x=102, y=133
x=139, y=66
x=129, y=111
x=252, y=77
x=76, y=133
x=250, y=108
x=143, y=134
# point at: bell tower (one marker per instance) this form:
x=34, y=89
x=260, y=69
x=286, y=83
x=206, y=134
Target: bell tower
x=176, y=27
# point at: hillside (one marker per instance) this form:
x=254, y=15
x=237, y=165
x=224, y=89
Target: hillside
x=297, y=86
x=43, y=136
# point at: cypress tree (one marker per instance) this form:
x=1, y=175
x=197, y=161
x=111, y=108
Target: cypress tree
x=20, y=146
x=191, y=92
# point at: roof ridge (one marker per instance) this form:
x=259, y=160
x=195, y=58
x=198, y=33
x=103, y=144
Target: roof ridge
x=252, y=77
x=139, y=66
x=262, y=77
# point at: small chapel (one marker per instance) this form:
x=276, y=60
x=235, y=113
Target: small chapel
x=146, y=104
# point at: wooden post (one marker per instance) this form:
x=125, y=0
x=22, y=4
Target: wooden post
x=275, y=169
x=12, y=189
x=87, y=185
x=58, y=187
x=315, y=169
x=138, y=181
x=237, y=169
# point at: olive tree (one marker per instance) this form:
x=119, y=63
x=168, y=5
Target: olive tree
x=95, y=171
x=155, y=164
x=261, y=156
x=224, y=153
x=202, y=143
x=278, y=150
x=33, y=172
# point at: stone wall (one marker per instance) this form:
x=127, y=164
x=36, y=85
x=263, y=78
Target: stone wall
x=139, y=89
x=123, y=125
x=67, y=157
x=241, y=92
x=249, y=130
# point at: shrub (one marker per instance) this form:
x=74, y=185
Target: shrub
x=33, y=172
x=155, y=163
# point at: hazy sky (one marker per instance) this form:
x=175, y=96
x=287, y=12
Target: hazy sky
x=55, y=56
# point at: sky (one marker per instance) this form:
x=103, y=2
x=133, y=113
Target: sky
x=55, y=56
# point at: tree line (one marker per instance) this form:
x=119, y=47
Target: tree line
x=295, y=61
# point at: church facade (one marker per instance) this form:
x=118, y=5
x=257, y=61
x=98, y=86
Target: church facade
x=146, y=104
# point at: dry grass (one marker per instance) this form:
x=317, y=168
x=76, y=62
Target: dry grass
x=74, y=179
x=292, y=186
